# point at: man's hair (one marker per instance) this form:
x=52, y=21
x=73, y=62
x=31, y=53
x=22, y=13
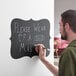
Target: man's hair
x=69, y=17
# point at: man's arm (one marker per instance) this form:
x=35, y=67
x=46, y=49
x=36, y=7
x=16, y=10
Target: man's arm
x=42, y=56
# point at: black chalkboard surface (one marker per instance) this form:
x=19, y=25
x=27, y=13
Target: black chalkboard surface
x=25, y=34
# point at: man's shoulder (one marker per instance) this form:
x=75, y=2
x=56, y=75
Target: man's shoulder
x=69, y=52
x=69, y=49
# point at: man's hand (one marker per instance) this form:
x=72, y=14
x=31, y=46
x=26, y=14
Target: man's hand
x=40, y=48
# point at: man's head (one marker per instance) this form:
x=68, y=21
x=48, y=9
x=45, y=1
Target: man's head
x=68, y=20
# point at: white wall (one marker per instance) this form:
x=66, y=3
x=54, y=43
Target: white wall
x=61, y=6
x=24, y=9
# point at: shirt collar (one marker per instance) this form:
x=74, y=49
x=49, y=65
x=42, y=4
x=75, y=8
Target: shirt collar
x=73, y=43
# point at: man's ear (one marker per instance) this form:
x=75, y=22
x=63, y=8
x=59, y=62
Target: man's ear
x=67, y=27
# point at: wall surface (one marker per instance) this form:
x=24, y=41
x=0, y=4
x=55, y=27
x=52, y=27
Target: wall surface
x=24, y=9
x=59, y=7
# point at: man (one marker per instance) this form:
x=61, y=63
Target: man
x=67, y=62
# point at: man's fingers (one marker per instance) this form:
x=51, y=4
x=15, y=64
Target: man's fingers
x=36, y=48
x=39, y=48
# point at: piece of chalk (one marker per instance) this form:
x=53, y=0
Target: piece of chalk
x=46, y=49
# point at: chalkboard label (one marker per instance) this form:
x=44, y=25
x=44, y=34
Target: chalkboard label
x=26, y=33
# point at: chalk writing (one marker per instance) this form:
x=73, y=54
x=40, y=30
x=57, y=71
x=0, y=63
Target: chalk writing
x=25, y=34
x=39, y=28
x=21, y=29
x=39, y=38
